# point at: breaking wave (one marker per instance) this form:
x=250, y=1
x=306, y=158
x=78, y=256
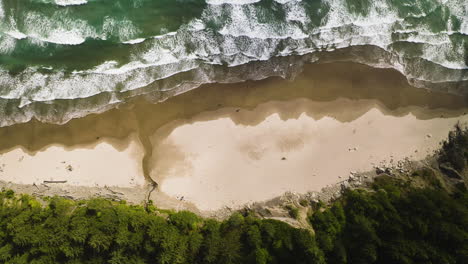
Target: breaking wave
x=56, y=50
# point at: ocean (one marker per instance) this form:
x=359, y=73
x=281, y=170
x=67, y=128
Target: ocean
x=64, y=59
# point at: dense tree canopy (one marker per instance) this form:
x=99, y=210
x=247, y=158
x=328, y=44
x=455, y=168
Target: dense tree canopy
x=102, y=231
x=393, y=224
x=415, y=226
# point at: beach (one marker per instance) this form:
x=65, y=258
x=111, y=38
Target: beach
x=92, y=165
x=230, y=144
x=215, y=161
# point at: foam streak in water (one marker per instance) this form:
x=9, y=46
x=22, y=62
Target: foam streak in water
x=70, y=2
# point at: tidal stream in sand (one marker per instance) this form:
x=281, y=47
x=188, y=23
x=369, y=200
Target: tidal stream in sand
x=229, y=144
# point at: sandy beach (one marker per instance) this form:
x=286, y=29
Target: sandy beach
x=228, y=144
x=93, y=165
x=214, y=162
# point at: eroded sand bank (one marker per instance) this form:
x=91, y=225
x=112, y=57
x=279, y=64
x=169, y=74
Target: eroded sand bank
x=215, y=161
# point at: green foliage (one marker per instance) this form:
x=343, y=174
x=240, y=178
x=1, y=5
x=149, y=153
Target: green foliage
x=293, y=211
x=395, y=224
x=100, y=231
x=304, y=202
x=428, y=177
x=185, y=221
x=9, y=194
x=455, y=149
x=328, y=225
x=390, y=184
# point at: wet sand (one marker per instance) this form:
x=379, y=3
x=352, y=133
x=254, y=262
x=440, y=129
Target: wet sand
x=331, y=97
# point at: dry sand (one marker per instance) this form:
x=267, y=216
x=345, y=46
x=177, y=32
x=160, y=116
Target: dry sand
x=215, y=162
x=98, y=164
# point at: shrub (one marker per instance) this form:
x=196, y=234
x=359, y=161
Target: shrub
x=9, y=194
x=455, y=149
x=293, y=211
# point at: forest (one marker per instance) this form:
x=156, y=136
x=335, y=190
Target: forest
x=391, y=222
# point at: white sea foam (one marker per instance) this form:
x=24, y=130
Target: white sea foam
x=445, y=54
x=70, y=2
x=287, y=1
x=295, y=12
x=7, y=44
x=134, y=41
x=16, y=34
x=244, y=22
x=57, y=29
x=63, y=37
x=165, y=35
x=231, y=2
x=242, y=38
x=2, y=12
x=196, y=25
x=60, y=28
x=124, y=29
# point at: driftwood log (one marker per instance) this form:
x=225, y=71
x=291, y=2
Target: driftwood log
x=55, y=182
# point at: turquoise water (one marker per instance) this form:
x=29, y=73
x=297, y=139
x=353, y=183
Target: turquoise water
x=57, y=51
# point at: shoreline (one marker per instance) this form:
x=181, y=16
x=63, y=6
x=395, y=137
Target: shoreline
x=61, y=110
x=347, y=92
x=320, y=83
